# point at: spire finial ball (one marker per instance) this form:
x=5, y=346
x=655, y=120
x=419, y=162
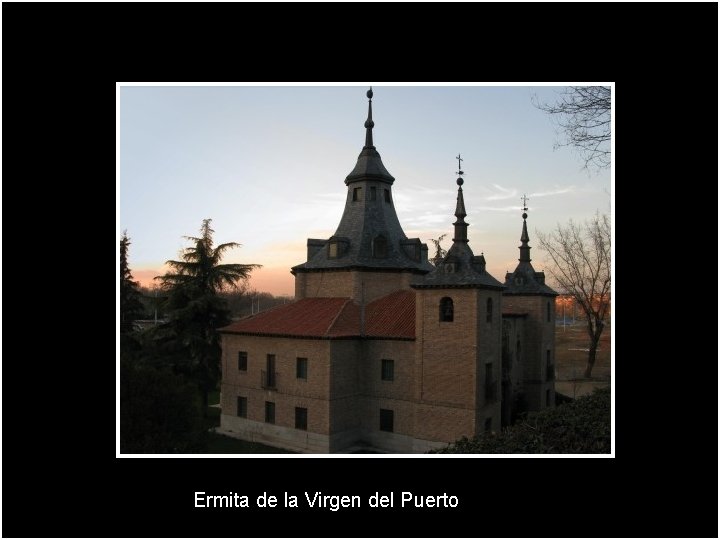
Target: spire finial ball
x=460, y=181
x=370, y=93
x=524, y=215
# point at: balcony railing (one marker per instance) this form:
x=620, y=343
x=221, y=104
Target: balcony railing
x=550, y=372
x=268, y=380
x=490, y=392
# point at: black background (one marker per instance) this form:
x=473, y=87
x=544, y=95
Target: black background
x=61, y=62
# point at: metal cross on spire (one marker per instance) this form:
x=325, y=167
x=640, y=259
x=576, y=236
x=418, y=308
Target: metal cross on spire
x=459, y=166
x=524, y=199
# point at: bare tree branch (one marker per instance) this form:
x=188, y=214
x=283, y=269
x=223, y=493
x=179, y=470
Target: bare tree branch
x=582, y=114
x=579, y=261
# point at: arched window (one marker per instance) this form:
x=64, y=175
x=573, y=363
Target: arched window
x=548, y=312
x=488, y=315
x=379, y=247
x=446, y=310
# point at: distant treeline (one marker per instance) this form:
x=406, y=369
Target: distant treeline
x=241, y=303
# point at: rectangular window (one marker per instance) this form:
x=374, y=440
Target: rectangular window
x=488, y=425
x=489, y=383
x=269, y=377
x=300, y=418
x=270, y=412
x=373, y=193
x=242, y=360
x=388, y=370
x=547, y=397
x=242, y=407
x=333, y=250
x=387, y=196
x=357, y=193
x=301, y=368
x=386, y=420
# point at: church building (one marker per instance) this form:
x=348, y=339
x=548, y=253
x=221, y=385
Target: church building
x=381, y=350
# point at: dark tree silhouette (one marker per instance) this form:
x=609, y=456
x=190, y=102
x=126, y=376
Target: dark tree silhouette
x=582, y=114
x=130, y=304
x=195, y=310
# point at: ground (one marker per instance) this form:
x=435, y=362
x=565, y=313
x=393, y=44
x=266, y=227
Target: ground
x=571, y=344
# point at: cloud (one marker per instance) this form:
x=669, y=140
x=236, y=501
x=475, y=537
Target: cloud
x=504, y=193
x=558, y=191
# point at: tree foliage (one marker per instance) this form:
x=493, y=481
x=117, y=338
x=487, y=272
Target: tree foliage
x=579, y=261
x=439, y=251
x=189, y=340
x=582, y=113
x=579, y=427
x=130, y=305
x=160, y=411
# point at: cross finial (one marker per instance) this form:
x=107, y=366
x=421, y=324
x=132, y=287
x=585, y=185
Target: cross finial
x=459, y=165
x=524, y=199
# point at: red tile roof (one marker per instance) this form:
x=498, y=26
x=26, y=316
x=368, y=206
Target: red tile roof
x=392, y=316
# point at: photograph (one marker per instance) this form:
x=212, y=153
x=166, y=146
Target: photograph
x=364, y=270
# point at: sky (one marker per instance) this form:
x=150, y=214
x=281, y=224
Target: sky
x=267, y=164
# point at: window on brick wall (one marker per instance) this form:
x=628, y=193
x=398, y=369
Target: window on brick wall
x=387, y=373
x=488, y=425
x=446, y=310
x=489, y=310
x=301, y=368
x=270, y=412
x=242, y=360
x=300, y=418
x=547, y=397
x=386, y=420
x=242, y=407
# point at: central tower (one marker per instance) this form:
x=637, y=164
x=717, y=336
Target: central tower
x=369, y=255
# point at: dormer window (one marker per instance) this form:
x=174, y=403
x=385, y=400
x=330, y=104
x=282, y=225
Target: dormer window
x=373, y=193
x=379, y=247
x=357, y=194
x=332, y=250
x=387, y=196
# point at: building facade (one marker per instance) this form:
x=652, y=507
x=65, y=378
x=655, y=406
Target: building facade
x=383, y=350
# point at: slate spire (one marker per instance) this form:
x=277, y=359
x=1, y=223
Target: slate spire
x=460, y=214
x=524, y=238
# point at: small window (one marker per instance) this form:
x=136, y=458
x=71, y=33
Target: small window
x=386, y=420
x=488, y=425
x=547, y=397
x=388, y=370
x=357, y=193
x=373, y=193
x=332, y=250
x=301, y=418
x=242, y=407
x=301, y=368
x=548, y=312
x=446, y=310
x=488, y=315
x=242, y=360
x=387, y=196
x=270, y=412
x=379, y=247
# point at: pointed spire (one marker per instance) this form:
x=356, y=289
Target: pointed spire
x=369, y=124
x=524, y=238
x=460, y=225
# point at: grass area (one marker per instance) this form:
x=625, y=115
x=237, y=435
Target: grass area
x=220, y=444
x=571, y=355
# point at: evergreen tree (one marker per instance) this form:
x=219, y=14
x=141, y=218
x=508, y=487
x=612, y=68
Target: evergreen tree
x=189, y=340
x=130, y=305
